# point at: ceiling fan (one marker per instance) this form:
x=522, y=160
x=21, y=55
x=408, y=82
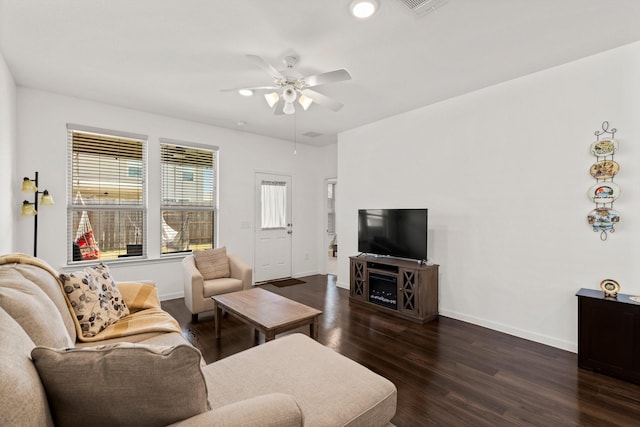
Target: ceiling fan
x=289, y=86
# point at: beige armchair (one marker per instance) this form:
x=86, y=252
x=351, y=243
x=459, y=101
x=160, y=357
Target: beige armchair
x=198, y=291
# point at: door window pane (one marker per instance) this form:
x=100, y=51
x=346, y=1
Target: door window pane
x=274, y=204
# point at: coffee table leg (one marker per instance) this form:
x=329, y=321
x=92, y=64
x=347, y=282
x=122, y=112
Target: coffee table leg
x=217, y=316
x=313, y=328
x=269, y=336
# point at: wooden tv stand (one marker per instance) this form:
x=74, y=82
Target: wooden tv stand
x=403, y=288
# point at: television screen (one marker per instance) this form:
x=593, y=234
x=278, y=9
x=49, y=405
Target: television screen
x=400, y=233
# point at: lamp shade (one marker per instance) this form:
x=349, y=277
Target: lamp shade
x=305, y=101
x=46, y=199
x=28, y=186
x=28, y=209
x=289, y=108
x=272, y=98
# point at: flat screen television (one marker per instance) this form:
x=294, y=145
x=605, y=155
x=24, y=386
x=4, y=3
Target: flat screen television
x=400, y=233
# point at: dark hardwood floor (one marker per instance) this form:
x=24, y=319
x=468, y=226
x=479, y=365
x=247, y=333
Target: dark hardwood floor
x=448, y=372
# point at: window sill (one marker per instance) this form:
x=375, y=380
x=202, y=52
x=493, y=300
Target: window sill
x=126, y=261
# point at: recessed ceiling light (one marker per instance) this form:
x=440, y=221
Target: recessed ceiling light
x=363, y=8
x=245, y=92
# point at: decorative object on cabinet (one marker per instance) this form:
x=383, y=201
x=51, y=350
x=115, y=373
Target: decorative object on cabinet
x=610, y=287
x=603, y=218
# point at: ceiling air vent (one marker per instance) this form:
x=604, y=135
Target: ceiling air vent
x=311, y=134
x=423, y=7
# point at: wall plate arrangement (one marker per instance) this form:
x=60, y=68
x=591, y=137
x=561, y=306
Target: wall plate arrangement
x=610, y=287
x=604, y=218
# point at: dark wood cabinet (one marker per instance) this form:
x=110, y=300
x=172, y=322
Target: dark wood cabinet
x=609, y=334
x=404, y=288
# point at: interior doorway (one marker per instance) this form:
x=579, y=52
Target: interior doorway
x=331, y=239
x=273, y=227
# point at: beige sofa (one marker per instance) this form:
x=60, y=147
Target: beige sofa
x=291, y=381
x=198, y=291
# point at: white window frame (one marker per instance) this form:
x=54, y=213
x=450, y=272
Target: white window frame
x=74, y=205
x=204, y=205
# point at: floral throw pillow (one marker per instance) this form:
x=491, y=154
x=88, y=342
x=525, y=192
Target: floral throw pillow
x=95, y=298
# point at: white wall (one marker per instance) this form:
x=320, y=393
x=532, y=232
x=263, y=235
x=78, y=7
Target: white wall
x=504, y=172
x=8, y=208
x=42, y=119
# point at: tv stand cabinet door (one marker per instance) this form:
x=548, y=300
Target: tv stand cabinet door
x=409, y=292
x=359, y=288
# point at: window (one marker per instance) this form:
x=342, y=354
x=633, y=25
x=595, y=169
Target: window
x=189, y=192
x=274, y=204
x=106, y=193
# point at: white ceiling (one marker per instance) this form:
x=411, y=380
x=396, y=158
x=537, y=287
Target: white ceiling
x=173, y=57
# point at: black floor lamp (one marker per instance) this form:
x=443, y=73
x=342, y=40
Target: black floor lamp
x=31, y=209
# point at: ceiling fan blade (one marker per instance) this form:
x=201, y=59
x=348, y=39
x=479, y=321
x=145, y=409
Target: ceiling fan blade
x=323, y=100
x=264, y=89
x=260, y=62
x=278, y=109
x=329, y=77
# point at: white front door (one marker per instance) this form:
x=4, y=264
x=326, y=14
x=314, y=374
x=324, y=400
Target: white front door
x=273, y=227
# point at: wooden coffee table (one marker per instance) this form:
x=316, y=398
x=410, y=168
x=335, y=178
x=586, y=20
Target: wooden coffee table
x=267, y=312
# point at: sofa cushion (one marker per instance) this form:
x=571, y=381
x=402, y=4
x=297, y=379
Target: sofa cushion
x=34, y=311
x=330, y=389
x=212, y=263
x=221, y=286
x=50, y=284
x=95, y=298
x=268, y=410
x=122, y=384
x=23, y=401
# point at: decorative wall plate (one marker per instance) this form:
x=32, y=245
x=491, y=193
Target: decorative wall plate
x=604, y=192
x=604, y=147
x=604, y=169
x=603, y=219
x=610, y=287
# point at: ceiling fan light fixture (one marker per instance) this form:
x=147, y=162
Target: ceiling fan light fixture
x=245, y=92
x=289, y=108
x=363, y=9
x=289, y=94
x=272, y=98
x=305, y=101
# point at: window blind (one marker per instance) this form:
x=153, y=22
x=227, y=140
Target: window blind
x=106, y=170
x=188, y=176
x=189, y=194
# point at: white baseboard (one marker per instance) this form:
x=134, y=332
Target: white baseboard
x=173, y=295
x=304, y=273
x=521, y=333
